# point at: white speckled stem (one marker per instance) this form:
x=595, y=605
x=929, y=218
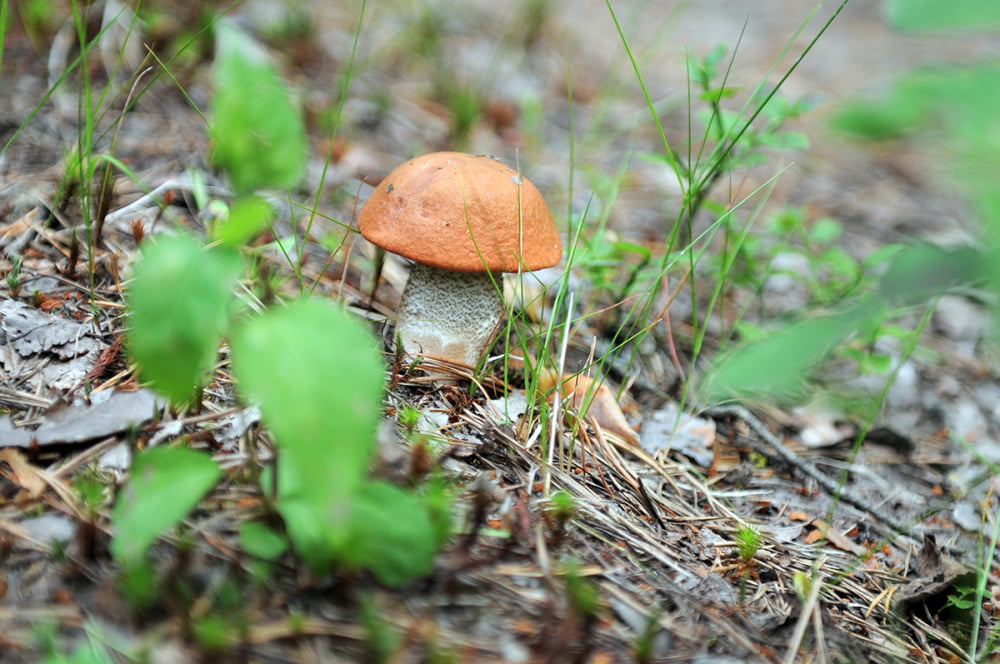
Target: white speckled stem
x=450, y=315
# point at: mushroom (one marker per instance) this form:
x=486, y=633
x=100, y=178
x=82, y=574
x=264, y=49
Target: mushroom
x=463, y=220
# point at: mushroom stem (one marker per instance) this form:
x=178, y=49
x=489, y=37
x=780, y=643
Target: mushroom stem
x=449, y=315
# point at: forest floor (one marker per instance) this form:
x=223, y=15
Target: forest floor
x=867, y=552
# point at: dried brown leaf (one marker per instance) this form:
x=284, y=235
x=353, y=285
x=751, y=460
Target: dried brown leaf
x=22, y=473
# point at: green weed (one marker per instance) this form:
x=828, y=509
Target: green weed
x=748, y=541
x=334, y=516
x=13, y=277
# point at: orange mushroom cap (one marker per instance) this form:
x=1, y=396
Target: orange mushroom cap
x=461, y=212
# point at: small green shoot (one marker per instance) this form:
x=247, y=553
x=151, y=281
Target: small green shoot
x=408, y=417
x=584, y=602
x=212, y=633
x=91, y=490
x=963, y=598
x=264, y=546
x=645, y=645
x=262, y=542
x=748, y=541
x=583, y=596
x=13, y=277
x=87, y=653
x=803, y=584
x=140, y=585
x=560, y=508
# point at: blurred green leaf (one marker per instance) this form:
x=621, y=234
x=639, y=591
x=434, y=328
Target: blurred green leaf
x=140, y=584
x=786, y=140
x=258, y=133
x=164, y=486
x=261, y=541
x=393, y=535
x=964, y=99
x=85, y=654
x=825, y=230
x=778, y=364
x=869, y=362
x=317, y=376
x=922, y=272
x=937, y=15
x=715, y=95
x=179, y=307
x=248, y=215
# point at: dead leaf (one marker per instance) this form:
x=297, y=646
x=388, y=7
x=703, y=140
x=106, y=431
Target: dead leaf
x=16, y=228
x=783, y=534
x=834, y=537
x=23, y=474
x=30, y=331
x=77, y=424
x=592, y=398
x=937, y=574
x=65, y=350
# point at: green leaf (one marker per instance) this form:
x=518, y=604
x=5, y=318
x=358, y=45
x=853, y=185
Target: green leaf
x=317, y=376
x=778, y=364
x=788, y=140
x=165, y=485
x=869, y=363
x=261, y=541
x=963, y=98
x=259, y=136
x=85, y=654
x=937, y=15
x=179, y=308
x=140, y=584
x=922, y=272
x=825, y=230
x=393, y=535
x=715, y=95
x=248, y=215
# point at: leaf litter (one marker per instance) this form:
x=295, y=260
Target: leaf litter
x=653, y=529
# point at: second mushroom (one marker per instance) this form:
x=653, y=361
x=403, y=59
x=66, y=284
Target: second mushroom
x=463, y=220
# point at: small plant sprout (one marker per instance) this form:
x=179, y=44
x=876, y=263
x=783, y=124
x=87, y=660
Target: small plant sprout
x=92, y=492
x=408, y=417
x=584, y=602
x=748, y=541
x=559, y=510
x=463, y=220
x=14, y=277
